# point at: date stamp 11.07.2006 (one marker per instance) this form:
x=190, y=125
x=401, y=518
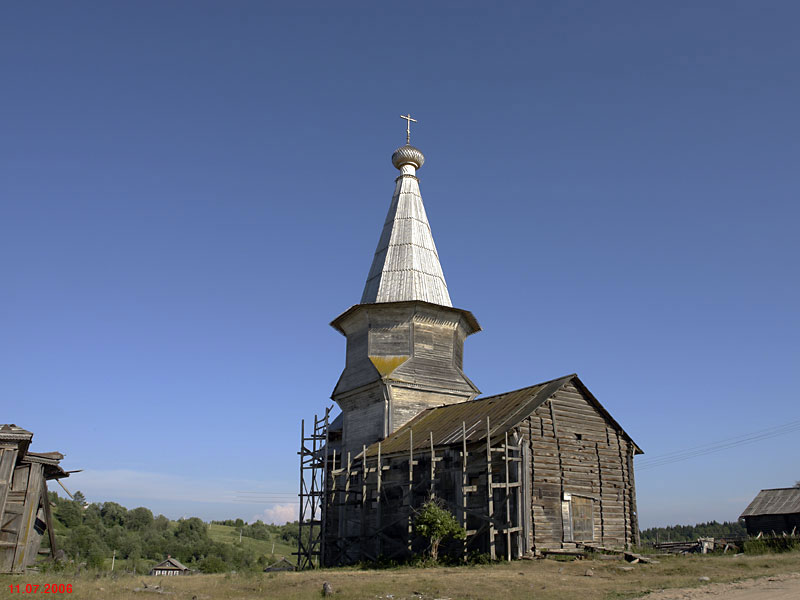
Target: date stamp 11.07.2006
x=41, y=588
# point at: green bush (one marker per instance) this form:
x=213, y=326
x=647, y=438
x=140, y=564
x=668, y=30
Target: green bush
x=212, y=564
x=436, y=524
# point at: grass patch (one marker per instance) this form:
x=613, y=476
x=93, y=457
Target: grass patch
x=765, y=545
x=230, y=535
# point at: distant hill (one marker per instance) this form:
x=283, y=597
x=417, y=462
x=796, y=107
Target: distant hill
x=274, y=544
x=93, y=533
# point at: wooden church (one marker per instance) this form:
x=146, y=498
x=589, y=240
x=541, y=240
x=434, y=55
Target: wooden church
x=540, y=468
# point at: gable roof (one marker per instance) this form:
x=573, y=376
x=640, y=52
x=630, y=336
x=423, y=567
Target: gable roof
x=171, y=562
x=778, y=501
x=504, y=412
x=281, y=565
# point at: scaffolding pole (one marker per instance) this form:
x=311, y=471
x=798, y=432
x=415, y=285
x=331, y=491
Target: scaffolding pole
x=313, y=492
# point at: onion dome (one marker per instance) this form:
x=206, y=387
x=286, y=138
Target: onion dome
x=407, y=155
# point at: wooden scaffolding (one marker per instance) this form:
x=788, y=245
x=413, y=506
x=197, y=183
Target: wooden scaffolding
x=313, y=473
x=372, y=499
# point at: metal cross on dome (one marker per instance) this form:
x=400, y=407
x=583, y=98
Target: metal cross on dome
x=408, y=126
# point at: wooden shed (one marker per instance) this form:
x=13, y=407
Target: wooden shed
x=773, y=511
x=280, y=565
x=170, y=566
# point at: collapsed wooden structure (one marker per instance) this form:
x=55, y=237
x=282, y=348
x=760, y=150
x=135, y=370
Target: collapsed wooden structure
x=543, y=467
x=24, y=507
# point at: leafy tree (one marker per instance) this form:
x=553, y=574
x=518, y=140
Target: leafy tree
x=436, y=524
x=139, y=519
x=113, y=514
x=92, y=517
x=290, y=533
x=161, y=523
x=213, y=564
x=79, y=498
x=82, y=542
x=69, y=513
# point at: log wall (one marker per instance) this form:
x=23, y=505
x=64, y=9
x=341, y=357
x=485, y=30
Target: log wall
x=513, y=495
x=574, y=450
x=405, y=357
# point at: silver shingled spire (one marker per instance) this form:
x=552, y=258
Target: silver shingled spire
x=406, y=265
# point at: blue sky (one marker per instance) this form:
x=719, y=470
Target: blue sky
x=191, y=191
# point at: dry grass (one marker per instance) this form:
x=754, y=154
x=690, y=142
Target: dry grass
x=230, y=535
x=542, y=579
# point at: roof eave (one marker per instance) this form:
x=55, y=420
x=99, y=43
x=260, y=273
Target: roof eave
x=469, y=318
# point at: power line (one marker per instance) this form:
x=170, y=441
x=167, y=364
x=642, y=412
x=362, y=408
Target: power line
x=265, y=497
x=719, y=446
x=245, y=497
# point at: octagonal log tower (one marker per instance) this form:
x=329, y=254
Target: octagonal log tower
x=405, y=341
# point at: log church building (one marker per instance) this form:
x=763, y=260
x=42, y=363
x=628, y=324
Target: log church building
x=541, y=468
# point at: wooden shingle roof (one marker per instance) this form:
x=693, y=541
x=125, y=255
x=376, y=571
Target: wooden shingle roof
x=778, y=501
x=171, y=562
x=504, y=412
x=406, y=264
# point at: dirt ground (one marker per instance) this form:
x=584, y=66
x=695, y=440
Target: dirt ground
x=695, y=577
x=779, y=587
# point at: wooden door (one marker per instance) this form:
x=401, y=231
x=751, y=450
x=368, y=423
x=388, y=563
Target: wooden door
x=582, y=519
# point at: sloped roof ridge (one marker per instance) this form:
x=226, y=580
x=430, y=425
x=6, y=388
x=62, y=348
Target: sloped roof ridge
x=176, y=562
x=445, y=423
x=504, y=412
x=780, y=502
x=527, y=387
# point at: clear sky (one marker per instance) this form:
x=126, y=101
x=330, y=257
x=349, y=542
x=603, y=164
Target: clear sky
x=191, y=191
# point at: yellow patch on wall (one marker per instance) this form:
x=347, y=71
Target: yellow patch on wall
x=387, y=364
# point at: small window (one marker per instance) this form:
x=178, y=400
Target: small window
x=579, y=436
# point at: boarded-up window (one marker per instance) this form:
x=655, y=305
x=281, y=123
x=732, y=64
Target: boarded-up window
x=582, y=519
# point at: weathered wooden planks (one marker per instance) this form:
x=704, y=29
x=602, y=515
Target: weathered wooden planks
x=556, y=484
x=577, y=451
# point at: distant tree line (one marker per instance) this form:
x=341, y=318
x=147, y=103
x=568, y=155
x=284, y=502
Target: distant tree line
x=686, y=533
x=89, y=533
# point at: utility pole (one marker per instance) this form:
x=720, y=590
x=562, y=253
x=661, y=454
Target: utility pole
x=113, y=558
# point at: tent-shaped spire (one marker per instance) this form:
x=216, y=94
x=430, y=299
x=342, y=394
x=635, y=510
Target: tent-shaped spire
x=406, y=264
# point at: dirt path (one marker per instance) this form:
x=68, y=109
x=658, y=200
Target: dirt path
x=778, y=587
